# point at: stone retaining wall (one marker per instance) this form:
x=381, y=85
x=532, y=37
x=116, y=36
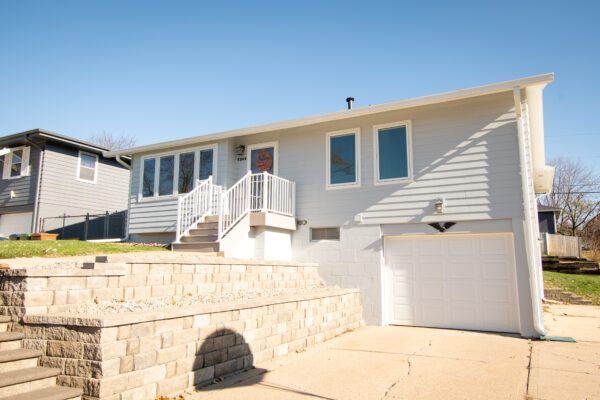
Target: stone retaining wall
x=51, y=290
x=147, y=354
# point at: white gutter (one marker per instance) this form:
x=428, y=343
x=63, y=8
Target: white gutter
x=530, y=240
x=338, y=115
x=123, y=163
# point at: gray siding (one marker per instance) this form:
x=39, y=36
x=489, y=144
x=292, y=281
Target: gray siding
x=148, y=216
x=23, y=187
x=62, y=193
x=465, y=151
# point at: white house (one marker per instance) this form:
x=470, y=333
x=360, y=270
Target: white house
x=428, y=205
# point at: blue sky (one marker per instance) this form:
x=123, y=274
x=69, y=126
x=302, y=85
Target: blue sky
x=173, y=69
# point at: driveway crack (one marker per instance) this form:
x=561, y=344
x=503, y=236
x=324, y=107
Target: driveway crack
x=529, y=370
x=389, y=388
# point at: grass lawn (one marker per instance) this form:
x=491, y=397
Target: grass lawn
x=586, y=286
x=61, y=248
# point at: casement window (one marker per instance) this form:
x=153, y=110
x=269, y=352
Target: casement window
x=393, y=153
x=87, y=167
x=170, y=174
x=16, y=163
x=321, y=234
x=343, y=159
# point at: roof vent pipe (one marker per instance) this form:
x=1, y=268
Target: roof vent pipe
x=349, y=100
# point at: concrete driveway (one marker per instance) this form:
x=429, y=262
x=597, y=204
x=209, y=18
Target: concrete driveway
x=423, y=363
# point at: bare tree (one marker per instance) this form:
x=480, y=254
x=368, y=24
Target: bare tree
x=575, y=192
x=107, y=139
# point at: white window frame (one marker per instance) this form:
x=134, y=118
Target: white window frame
x=275, y=146
x=409, y=153
x=328, y=136
x=95, y=167
x=157, y=156
x=7, y=167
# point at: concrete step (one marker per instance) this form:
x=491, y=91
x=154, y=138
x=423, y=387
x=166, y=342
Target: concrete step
x=26, y=380
x=11, y=360
x=10, y=340
x=204, y=231
x=207, y=225
x=51, y=393
x=199, y=239
x=211, y=218
x=196, y=246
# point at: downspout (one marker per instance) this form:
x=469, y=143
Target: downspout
x=128, y=166
x=36, y=204
x=534, y=273
x=123, y=163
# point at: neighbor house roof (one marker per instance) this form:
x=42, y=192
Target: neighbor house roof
x=37, y=135
x=338, y=115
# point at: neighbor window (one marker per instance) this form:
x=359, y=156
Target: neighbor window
x=87, y=167
x=317, y=234
x=175, y=173
x=16, y=163
x=343, y=163
x=392, y=152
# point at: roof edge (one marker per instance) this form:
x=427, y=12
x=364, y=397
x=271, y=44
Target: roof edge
x=543, y=79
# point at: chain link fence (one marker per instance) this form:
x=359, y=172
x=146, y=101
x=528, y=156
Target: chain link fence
x=87, y=226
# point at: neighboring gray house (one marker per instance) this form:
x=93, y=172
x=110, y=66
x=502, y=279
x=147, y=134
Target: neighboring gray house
x=427, y=205
x=44, y=174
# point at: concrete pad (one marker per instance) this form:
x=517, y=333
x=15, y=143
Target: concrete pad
x=548, y=384
x=441, y=378
x=572, y=357
x=580, y=322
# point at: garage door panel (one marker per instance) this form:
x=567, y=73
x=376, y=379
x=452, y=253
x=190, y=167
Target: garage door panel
x=453, y=281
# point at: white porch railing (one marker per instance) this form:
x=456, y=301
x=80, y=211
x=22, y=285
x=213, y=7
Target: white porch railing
x=252, y=193
x=195, y=205
x=256, y=193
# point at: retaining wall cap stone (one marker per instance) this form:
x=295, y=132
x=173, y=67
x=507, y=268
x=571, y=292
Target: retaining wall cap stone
x=108, y=320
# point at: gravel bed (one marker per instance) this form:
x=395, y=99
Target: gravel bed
x=123, y=306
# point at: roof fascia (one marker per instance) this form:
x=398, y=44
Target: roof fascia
x=337, y=115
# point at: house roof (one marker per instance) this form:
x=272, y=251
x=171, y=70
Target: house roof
x=37, y=134
x=339, y=115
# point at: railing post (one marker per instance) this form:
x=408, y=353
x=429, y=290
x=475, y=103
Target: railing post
x=178, y=220
x=265, y=188
x=293, y=199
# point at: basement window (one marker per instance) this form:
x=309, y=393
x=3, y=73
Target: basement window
x=320, y=234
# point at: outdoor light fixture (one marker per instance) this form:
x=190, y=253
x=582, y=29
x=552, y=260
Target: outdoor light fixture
x=240, y=150
x=301, y=222
x=439, y=206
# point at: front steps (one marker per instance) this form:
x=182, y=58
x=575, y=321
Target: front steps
x=20, y=376
x=202, y=238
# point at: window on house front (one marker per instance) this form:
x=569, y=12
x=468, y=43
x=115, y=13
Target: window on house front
x=175, y=173
x=343, y=163
x=166, y=175
x=206, y=164
x=16, y=163
x=318, y=234
x=186, y=172
x=392, y=152
x=148, y=177
x=87, y=167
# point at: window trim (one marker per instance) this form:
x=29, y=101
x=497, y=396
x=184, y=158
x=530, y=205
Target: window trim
x=251, y=147
x=177, y=153
x=409, y=157
x=349, y=185
x=77, y=177
x=7, y=167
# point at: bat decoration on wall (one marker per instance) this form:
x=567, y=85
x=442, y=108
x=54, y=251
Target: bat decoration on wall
x=445, y=227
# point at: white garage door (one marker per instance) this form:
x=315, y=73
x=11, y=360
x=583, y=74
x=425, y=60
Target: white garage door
x=15, y=223
x=452, y=281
